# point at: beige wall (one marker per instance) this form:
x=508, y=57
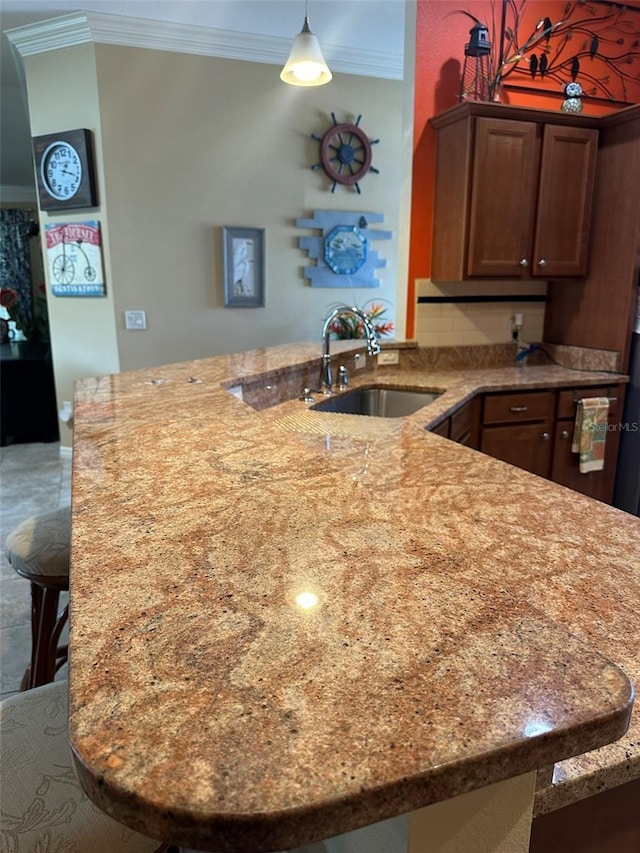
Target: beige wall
x=453, y=324
x=192, y=143
x=184, y=145
x=62, y=88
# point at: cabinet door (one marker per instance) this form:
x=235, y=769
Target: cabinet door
x=443, y=428
x=503, y=197
x=566, y=471
x=526, y=446
x=565, y=468
x=563, y=217
x=465, y=424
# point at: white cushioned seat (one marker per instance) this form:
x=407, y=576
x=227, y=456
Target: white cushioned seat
x=43, y=809
x=39, y=546
x=38, y=549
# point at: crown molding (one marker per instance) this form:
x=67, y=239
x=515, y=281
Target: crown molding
x=101, y=28
x=54, y=34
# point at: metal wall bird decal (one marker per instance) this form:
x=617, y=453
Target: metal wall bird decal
x=533, y=51
x=575, y=67
x=543, y=64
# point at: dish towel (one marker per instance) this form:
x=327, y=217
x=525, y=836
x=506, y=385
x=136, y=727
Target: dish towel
x=590, y=433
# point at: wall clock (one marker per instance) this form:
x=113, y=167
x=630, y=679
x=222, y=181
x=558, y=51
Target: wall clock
x=345, y=153
x=65, y=172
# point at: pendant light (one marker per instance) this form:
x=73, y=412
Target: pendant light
x=306, y=65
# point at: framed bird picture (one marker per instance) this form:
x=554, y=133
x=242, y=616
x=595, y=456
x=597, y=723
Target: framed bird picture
x=547, y=45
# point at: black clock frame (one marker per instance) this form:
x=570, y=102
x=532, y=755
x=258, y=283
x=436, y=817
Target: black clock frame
x=81, y=139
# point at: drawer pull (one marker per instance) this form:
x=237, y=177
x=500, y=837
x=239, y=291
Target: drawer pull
x=518, y=408
x=546, y=436
x=564, y=433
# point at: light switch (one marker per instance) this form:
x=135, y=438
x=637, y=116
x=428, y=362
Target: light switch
x=135, y=320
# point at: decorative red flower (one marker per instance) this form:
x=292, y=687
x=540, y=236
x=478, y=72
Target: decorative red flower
x=349, y=326
x=11, y=301
x=384, y=328
x=8, y=297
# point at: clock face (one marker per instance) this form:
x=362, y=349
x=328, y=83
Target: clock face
x=61, y=170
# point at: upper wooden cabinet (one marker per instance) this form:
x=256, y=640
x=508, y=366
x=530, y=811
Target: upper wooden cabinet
x=598, y=311
x=513, y=193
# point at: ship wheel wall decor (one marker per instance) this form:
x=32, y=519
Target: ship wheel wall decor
x=345, y=153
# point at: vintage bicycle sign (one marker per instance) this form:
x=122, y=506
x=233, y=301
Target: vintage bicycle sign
x=74, y=258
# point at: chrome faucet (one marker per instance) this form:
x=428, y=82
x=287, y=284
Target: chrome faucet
x=373, y=345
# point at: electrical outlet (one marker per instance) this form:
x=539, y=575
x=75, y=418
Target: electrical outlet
x=135, y=320
x=389, y=356
x=359, y=361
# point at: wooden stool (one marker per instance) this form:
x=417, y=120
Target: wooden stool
x=38, y=549
x=42, y=804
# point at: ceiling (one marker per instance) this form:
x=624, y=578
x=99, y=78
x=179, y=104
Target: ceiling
x=376, y=25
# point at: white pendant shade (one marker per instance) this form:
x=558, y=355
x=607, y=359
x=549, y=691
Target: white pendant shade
x=306, y=65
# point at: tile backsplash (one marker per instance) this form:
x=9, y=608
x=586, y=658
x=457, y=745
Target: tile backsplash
x=472, y=323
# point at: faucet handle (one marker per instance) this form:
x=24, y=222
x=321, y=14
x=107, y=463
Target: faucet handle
x=343, y=378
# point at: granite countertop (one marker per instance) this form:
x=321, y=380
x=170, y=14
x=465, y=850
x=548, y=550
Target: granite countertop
x=473, y=621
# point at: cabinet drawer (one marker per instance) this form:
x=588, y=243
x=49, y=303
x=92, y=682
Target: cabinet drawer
x=514, y=407
x=567, y=400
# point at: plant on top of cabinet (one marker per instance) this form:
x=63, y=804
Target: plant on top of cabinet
x=594, y=40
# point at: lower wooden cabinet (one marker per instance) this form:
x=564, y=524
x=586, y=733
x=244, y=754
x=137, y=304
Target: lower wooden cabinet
x=517, y=427
x=465, y=424
x=443, y=428
x=565, y=469
x=533, y=430
x=527, y=446
x=607, y=822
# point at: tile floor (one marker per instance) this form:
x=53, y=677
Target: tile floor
x=34, y=478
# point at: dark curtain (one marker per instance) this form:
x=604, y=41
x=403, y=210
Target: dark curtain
x=15, y=265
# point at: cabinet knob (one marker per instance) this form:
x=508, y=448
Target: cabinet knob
x=542, y=262
x=564, y=433
x=524, y=262
x=546, y=436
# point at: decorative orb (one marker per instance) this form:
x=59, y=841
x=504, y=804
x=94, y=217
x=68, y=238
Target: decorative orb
x=573, y=90
x=572, y=105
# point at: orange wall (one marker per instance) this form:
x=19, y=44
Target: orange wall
x=440, y=41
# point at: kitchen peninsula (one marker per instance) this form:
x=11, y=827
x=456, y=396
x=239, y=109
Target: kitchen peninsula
x=288, y=624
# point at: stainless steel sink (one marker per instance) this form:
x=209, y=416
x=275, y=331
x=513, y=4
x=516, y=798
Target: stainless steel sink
x=377, y=401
